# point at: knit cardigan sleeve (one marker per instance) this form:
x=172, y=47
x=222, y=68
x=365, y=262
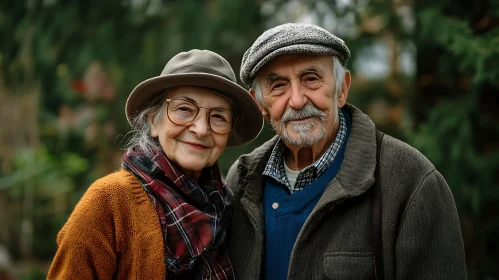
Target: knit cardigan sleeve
x=89, y=242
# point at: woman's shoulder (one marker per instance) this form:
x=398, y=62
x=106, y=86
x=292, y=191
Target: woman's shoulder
x=118, y=179
x=118, y=183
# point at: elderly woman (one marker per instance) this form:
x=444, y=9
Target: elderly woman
x=165, y=213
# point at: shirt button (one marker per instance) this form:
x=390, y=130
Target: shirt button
x=275, y=205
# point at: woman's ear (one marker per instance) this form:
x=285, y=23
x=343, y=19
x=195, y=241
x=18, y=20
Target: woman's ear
x=154, y=128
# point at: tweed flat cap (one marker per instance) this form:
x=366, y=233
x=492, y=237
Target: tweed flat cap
x=290, y=38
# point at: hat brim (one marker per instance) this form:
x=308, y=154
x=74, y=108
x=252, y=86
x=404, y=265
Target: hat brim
x=247, y=127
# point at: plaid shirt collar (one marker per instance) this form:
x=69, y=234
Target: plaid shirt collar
x=275, y=165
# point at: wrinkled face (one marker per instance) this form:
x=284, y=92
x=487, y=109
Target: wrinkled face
x=193, y=146
x=299, y=98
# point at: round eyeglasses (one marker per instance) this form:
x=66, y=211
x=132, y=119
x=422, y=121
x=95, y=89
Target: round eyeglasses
x=183, y=112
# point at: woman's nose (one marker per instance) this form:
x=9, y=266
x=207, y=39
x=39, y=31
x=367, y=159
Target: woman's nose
x=200, y=125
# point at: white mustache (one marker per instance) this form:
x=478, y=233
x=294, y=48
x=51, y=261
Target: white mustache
x=308, y=111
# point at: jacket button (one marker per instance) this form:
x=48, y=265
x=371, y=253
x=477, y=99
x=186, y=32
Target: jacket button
x=275, y=205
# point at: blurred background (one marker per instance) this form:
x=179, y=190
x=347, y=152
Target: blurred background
x=427, y=72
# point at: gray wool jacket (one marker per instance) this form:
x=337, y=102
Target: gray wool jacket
x=421, y=235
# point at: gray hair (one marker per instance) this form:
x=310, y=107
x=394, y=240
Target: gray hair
x=141, y=127
x=338, y=72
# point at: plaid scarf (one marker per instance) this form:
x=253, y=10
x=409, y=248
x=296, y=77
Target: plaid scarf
x=194, y=215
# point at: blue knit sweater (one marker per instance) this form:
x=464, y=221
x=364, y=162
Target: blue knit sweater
x=286, y=213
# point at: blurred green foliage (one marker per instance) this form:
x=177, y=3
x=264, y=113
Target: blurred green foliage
x=67, y=67
x=460, y=135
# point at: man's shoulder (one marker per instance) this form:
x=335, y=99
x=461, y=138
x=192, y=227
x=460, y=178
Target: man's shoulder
x=259, y=153
x=402, y=161
x=392, y=148
x=247, y=162
x=399, y=150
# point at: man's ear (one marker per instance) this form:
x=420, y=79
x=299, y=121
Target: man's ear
x=264, y=111
x=345, y=87
x=154, y=128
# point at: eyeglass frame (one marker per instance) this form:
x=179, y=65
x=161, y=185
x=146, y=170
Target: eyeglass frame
x=234, y=116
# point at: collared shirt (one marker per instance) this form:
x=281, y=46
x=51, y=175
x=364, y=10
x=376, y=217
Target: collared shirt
x=275, y=165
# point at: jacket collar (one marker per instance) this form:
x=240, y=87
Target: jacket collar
x=251, y=167
x=355, y=176
x=357, y=171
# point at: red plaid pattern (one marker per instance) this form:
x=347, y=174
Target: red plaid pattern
x=194, y=215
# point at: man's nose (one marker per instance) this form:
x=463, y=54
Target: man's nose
x=297, y=99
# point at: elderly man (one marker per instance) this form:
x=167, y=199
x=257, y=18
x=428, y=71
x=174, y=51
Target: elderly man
x=329, y=197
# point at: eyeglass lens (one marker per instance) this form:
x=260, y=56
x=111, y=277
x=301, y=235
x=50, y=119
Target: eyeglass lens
x=182, y=112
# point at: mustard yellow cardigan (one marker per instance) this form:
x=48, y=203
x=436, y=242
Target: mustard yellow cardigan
x=113, y=233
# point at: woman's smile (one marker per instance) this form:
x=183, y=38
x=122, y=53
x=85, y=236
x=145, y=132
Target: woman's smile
x=195, y=145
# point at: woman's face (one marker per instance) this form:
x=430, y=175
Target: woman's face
x=193, y=146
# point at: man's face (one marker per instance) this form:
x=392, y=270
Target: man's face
x=299, y=98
